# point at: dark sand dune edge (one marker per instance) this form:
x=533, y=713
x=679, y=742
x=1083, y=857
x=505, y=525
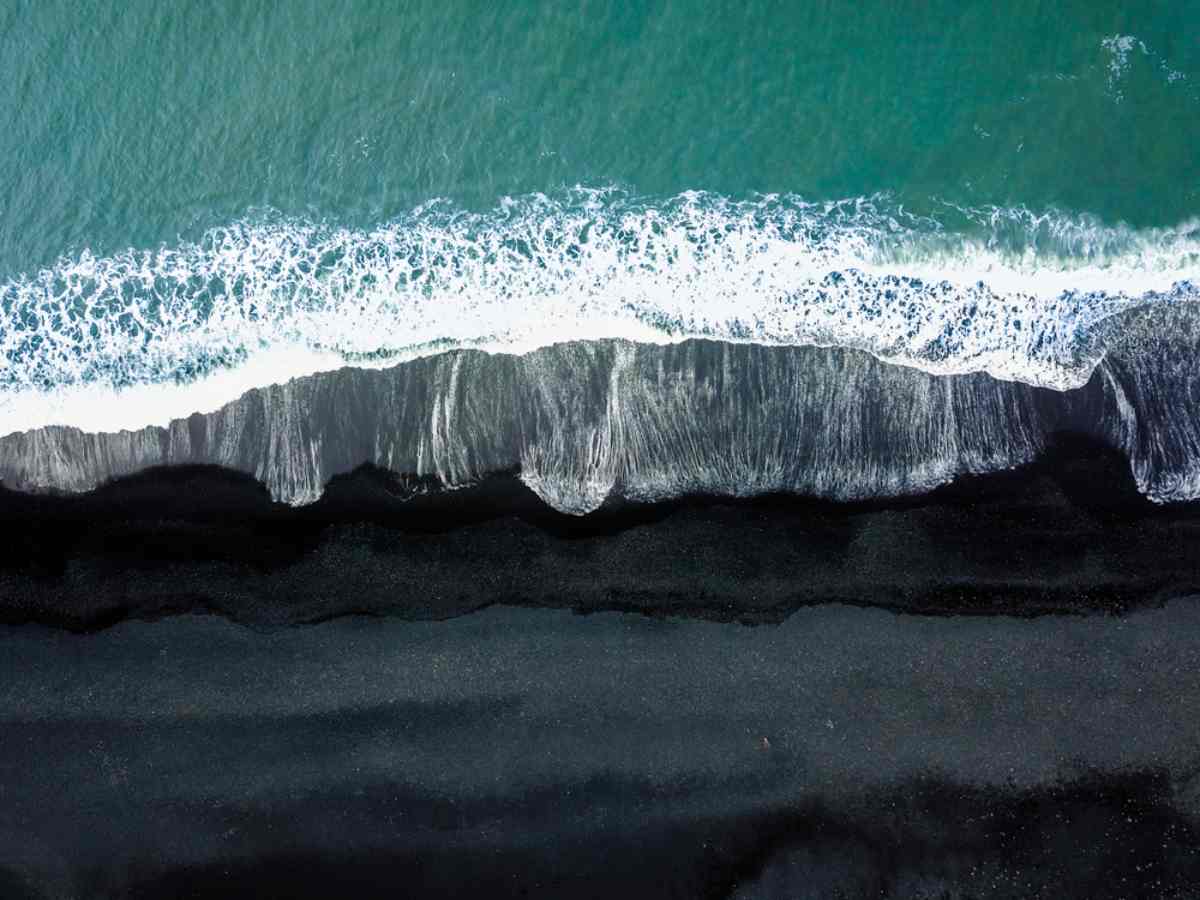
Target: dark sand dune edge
x=1067, y=534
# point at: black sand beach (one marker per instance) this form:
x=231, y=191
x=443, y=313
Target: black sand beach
x=976, y=691
x=844, y=752
x=984, y=688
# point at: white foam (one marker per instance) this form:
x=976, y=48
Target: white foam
x=141, y=337
x=1119, y=48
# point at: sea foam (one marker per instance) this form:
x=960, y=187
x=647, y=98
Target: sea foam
x=142, y=336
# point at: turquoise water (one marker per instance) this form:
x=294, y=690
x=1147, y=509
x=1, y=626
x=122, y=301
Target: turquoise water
x=132, y=123
x=238, y=137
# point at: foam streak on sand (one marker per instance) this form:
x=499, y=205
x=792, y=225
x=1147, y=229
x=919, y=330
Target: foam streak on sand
x=588, y=420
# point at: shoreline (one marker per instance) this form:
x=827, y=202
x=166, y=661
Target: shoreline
x=587, y=422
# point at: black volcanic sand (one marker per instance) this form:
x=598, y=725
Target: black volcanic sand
x=1069, y=533
x=847, y=752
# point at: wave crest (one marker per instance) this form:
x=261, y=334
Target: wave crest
x=1005, y=291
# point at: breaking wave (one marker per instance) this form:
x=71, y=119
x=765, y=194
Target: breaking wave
x=1013, y=293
